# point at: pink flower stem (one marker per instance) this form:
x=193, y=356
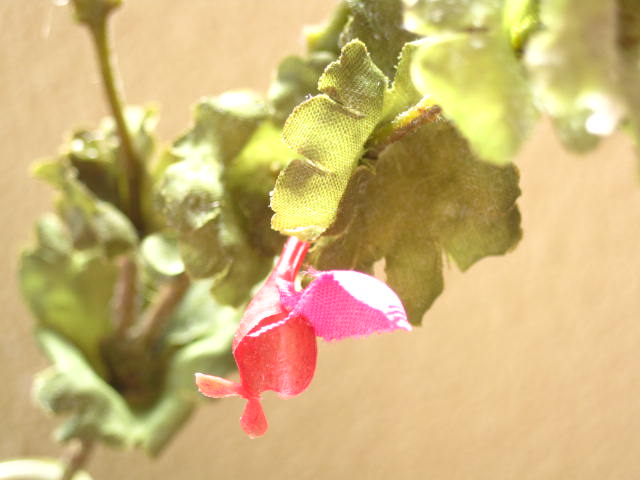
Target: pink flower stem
x=290, y=261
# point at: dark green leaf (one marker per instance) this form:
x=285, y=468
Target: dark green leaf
x=429, y=195
x=70, y=293
x=379, y=24
x=296, y=78
x=223, y=125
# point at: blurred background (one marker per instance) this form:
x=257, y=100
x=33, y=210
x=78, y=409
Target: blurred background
x=527, y=367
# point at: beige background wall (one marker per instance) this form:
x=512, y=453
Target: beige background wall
x=527, y=367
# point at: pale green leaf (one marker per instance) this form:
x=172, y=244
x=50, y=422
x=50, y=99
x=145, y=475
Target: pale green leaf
x=160, y=252
x=574, y=63
x=329, y=130
x=427, y=17
x=480, y=85
x=249, y=180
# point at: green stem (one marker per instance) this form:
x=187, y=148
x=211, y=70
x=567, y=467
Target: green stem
x=158, y=313
x=423, y=112
x=125, y=296
x=131, y=164
x=77, y=457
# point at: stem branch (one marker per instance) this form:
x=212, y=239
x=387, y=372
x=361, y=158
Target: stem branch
x=157, y=314
x=124, y=296
x=77, y=455
x=131, y=163
x=423, y=112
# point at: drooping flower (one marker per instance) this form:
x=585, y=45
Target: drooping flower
x=275, y=344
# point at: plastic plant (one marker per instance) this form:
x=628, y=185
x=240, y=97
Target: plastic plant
x=390, y=139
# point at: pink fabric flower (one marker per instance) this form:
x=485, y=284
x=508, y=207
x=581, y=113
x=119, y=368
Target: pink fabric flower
x=275, y=344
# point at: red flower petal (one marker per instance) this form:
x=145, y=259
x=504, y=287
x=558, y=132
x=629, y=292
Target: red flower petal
x=281, y=357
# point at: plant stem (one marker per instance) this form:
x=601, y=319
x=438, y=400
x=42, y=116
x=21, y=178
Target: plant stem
x=131, y=164
x=77, y=455
x=124, y=296
x=157, y=314
x=424, y=112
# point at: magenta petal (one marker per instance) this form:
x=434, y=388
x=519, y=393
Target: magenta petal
x=344, y=303
x=281, y=356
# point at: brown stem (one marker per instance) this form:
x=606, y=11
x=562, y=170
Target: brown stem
x=412, y=119
x=131, y=163
x=77, y=455
x=125, y=296
x=158, y=313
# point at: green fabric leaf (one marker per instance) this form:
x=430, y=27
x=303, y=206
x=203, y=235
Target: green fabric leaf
x=326, y=37
x=480, y=85
x=204, y=251
x=69, y=292
x=71, y=386
x=574, y=63
x=427, y=17
x=190, y=194
x=249, y=180
x=91, y=221
x=429, y=195
x=201, y=331
x=96, y=155
x=217, y=208
x=296, y=78
x=403, y=94
x=329, y=130
x=521, y=18
x=95, y=409
x=160, y=252
x=379, y=25
x=223, y=125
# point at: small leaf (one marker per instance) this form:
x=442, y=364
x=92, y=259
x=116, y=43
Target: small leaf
x=71, y=294
x=249, y=180
x=222, y=127
x=326, y=37
x=329, y=130
x=296, y=78
x=429, y=195
x=160, y=252
x=92, y=222
x=379, y=25
x=480, y=85
x=71, y=386
x=190, y=194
